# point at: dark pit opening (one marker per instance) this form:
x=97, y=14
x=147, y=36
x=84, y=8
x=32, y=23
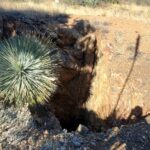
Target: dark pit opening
x=70, y=126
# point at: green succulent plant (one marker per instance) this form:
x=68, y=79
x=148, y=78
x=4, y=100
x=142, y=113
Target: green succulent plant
x=28, y=70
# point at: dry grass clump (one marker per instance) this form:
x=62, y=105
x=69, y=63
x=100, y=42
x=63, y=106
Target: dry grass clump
x=30, y=7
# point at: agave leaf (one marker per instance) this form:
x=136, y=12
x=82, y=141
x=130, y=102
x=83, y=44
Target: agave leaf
x=28, y=70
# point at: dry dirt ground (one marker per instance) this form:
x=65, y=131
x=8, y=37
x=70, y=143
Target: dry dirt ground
x=126, y=30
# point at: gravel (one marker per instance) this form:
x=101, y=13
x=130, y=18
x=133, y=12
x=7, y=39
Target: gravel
x=19, y=130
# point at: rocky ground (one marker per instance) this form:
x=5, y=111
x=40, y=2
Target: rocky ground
x=19, y=130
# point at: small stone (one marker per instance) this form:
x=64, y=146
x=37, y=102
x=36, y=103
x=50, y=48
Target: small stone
x=30, y=140
x=147, y=119
x=82, y=129
x=46, y=133
x=1, y=147
x=116, y=129
x=65, y=131
x=24, y=142
x=76, y=141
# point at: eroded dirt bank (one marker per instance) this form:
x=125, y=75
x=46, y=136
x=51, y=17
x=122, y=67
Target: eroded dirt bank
x=104, y=80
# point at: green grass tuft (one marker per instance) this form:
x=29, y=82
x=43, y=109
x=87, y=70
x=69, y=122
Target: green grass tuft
x=27, y=70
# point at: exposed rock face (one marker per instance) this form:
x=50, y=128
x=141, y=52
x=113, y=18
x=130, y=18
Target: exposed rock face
x=84, y=27
x=67, y=37
x=78, y=62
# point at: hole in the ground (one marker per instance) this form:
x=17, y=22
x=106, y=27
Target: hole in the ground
x=72, y=123
x=70, y=126
x=40, y=112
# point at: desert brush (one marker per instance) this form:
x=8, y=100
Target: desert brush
x=28, y=70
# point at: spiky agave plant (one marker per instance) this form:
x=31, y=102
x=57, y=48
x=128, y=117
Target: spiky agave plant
x=27, y=70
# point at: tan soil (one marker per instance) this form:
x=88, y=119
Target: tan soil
x=129, y=29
